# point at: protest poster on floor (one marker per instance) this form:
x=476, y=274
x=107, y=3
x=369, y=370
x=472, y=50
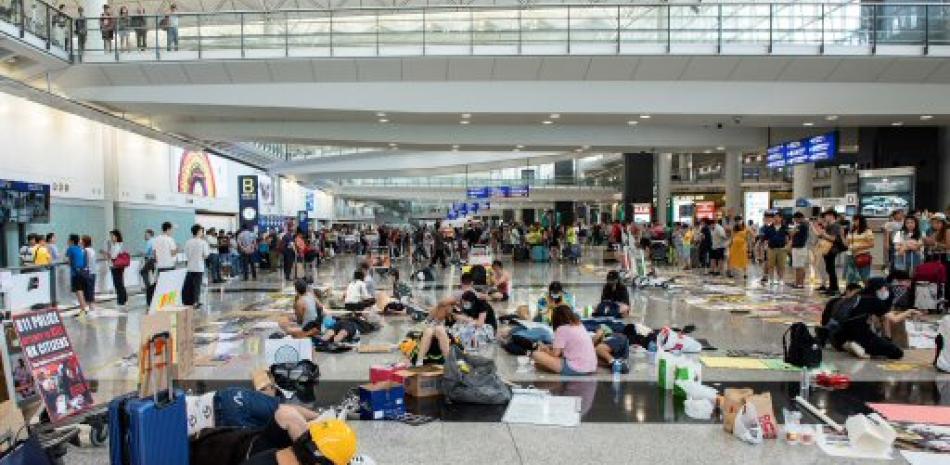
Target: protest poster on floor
x=168, y=290
x=53, y=363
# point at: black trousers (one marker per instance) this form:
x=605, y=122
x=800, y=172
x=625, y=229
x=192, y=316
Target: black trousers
x=191, y=290
x=832, y=270
x=873, y=345
x=288, y=264
x=118, y=282
x=438, y=256
x=248, y=266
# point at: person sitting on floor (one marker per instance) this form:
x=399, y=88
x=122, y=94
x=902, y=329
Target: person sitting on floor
x=294, y=436
x=312, y=322
x=572, y=353
x=554, y=298
x=612, y=349
x=368, y=277
x=436, y=327
x=846, y=320
x=502, y=283
x=614, y=298
x=358, y=297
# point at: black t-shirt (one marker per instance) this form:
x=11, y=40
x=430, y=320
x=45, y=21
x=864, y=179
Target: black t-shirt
x=479, y=306
x=615, y=293
x=857, y=320
x=268, y=457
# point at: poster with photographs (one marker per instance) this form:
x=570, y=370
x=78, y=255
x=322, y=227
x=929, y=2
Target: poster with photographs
x=266, y=186
x=51, y=362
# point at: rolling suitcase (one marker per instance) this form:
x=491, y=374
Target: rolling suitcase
x=151, y=431
x=540, y=253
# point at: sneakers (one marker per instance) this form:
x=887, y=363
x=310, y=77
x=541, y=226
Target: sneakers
x=620, y=366
x=855, y=349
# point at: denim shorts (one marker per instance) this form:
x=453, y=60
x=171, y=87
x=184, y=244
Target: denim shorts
x=566, y=370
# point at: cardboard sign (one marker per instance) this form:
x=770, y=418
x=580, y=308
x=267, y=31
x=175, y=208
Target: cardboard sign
x=53, y=364
x=179, y=323
x=168, y=290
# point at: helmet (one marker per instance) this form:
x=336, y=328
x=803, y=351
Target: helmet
x=328, y=441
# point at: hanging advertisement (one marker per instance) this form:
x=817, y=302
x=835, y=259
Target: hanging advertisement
x=705, y=209
x=266, y=185
x=196, y=174
x=883, y=191
x=248, y=200
x=24, y=202
x=755, y=206
x=52, y=363
x=642, y=213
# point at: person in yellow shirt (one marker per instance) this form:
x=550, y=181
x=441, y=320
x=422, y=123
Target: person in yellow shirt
x=41, y=255
x=860, y=241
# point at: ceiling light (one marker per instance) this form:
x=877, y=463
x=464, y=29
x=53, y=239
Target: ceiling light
x=586, y=147
x=808, y=124
x=547, y=121
x=555, y=115
x=926, y=117
x=519, y=146
x=831, y=118
x=466, y=115
x=383, y=120
x=897, y=123
x=644, y=116
x=578, y=150
x=707, y=151
x=381, y=114
x=455, y=146
x=720, y=148
x=515, y=150
x=633, y=122
x=464, y=121
x=393, y=144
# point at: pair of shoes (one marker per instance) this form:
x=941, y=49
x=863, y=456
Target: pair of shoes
x=620, y=366
x=855, y=349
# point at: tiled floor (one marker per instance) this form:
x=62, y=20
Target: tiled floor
x=627, y=420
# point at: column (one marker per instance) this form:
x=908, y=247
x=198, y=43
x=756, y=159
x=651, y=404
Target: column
x=682, y=167
x=92, y=9
x=732, y=177
x=110, y=175
x=637, y=181
x=803, y=177
x=563, y=175
x=837, y=183
x=664, y=166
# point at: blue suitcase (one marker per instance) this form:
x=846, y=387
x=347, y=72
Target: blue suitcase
x=153, y=430
x=540, y=253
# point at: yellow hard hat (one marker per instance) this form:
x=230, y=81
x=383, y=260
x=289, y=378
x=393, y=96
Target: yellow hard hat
x=335, y=440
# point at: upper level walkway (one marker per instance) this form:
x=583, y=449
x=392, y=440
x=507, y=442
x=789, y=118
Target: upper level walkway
x=809, y=29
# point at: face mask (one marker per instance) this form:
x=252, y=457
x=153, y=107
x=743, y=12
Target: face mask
x=883, y=293
x=556, y=297
x=467, y=305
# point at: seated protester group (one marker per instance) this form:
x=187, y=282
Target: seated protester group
x=293, y=436
x=572, y=353
x=358, y=297
x=555, y=297
x=312, y=322
x=614, y=298
x=847, y=323
x=501, y=282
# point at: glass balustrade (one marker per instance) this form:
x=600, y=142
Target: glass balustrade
x=596, y=29
x=37, y=24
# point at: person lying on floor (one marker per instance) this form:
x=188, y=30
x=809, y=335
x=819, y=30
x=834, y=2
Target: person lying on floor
x=847, y=321
x=612, y=349
x=572, y=353
x=614, y=298
x=294, y=436
x=358, y=297
x=553, y=299
x=502, y=283
x=436, y=328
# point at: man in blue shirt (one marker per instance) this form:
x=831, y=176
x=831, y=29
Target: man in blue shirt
x=775, y=235
x=76, y=257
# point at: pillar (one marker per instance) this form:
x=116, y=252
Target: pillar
x=803, y=177
x=110, y=175
x=732, y=177
x=563, y=210
x=682, y=167
x=92, y=9
x=837, y=182
x=664, y=166
x=637, y=181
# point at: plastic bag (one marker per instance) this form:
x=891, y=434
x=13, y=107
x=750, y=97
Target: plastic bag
x=747, y=427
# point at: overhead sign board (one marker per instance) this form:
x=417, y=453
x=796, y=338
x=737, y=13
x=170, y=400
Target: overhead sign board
x=823, y=147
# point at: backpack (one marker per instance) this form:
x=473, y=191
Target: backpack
x=801, y=349
x=222, y=446
x=837, y=312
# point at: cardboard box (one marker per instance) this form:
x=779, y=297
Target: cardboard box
x=424, y=381
x=11, y=423
x=732, y=402
x=179, y=323
x=379, y=401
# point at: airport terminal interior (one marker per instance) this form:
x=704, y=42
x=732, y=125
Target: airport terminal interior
x=493, y=231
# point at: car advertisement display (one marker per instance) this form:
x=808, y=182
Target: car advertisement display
x=880, y=192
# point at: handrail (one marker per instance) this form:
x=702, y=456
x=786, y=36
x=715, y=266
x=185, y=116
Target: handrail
x=45, y=27
x=537, y=29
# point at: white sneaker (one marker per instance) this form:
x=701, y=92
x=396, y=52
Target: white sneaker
x=855, y=349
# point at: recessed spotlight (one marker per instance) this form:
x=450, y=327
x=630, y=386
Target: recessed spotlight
x=808, y=124
x=707, y=151
x=831, y=118
x=383, y=120
x=547, y=121
x=515, y=150
x=464, y=121
x=455, y=146
x=897, y=123
x=381, y=114
x=393, y=144
x=578, y=150
x=720, y=148
x=633, y=122
x=555, y=115
x=466, y=115
x=519, y=146
x=644, y=116
x=926, y=117
x=586, y=147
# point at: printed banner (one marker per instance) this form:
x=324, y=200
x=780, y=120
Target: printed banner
x=168, y=290
x=266, y=185
x=196, y=175
x=53, y=364
x=248, y=200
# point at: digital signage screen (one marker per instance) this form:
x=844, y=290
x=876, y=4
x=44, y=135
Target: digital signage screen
x=775, y=157
x=24, y=202
x=823, y=147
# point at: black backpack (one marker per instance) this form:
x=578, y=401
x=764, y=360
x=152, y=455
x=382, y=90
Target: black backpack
x=479, y=275
x=800, y=347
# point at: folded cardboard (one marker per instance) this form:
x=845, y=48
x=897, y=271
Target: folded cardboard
x=11, y=424
x=380, y=401
x=424, y=381
x=179, y=323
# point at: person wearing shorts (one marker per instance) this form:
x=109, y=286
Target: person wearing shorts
x=800, y=252
x=612, y=349
x=775, y=235
x=572, y=353
x=502, y=280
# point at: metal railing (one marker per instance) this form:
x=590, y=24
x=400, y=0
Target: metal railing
x=423, y=182
x=599, y=29
x=39, y=24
